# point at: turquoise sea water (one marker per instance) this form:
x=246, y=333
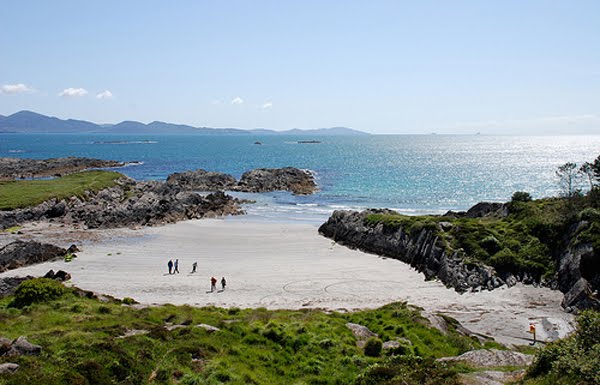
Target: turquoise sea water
x=412, y=173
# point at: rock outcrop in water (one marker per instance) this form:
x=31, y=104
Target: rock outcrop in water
x=259, y=180
x=273, y=179
x=20, y=168
x=202, y=180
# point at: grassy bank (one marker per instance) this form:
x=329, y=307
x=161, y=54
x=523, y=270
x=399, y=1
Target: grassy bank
x=526, y=240
x=83, y=343
x=27, y=193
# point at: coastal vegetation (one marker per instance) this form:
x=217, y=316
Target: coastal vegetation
x=27, y=193
x=571, y=360
x=88, y=341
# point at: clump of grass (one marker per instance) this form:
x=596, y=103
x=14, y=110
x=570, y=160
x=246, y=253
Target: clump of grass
x=27, y=193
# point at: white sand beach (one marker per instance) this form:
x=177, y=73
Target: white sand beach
x=289, y=265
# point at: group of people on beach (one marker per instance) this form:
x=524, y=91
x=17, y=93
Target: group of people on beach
x=174, y=269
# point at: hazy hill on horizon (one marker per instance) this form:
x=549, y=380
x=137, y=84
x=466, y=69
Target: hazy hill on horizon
x=29, y=122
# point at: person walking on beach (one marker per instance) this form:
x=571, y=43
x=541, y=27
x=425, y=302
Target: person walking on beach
x=176, y=270
x=223, y=283
x=213, y=284
x=170, y=265
x=194, y=266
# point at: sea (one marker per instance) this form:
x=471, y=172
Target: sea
x=413, y=174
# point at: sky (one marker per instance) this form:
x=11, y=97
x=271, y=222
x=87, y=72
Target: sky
x=387, y=67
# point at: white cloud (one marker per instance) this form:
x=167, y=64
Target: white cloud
x=106, y=94
x=15, y=89
x=73, y=92
x=237, y=100
x=267, y=105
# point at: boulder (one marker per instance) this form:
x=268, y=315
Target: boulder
x=8, y=285
x=22, y=347
x=60, y=275
x=362, y=333
x=21, y=253
x=208, y=328
x=8, y=368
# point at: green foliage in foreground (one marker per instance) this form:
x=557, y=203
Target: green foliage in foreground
x=83, y=343
x=26, y=193
x=524, y=241
x=572, y=360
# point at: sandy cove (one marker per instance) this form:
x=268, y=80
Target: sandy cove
x=288, y=265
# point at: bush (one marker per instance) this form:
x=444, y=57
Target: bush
x=590, y=214
x=575, y=359
x=521, y=196
x=505, y=259
x=37, y=290
x=373, y=347
x=491, y=244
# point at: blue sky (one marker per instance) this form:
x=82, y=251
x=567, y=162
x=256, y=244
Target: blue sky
x=378, y=66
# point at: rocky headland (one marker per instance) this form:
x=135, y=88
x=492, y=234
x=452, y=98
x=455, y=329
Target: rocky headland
x=426, y=248
x=22, y=168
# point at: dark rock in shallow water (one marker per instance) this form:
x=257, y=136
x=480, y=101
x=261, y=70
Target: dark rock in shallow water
x=202, y=180
x=19, y=253
x=274, y=179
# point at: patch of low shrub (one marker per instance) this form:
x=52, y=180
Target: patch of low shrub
x=37, y=290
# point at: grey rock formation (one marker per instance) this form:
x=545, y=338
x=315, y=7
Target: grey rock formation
x=20, y=253
x=485, y=358
x=19, y=168
x=22, y=347
x=578, y=273
x=201, y=180
x=273, y=179
x=423, y=250
x=8, y=285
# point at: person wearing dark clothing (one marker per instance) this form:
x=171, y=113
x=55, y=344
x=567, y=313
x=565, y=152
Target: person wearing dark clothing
x=176, y=270
x=170, y=265
x=213, y=284
x=194, y=266
x=223, y=283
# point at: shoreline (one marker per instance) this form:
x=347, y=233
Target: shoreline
x=283, y=265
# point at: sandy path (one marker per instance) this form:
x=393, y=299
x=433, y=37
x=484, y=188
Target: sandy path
x=288, y=265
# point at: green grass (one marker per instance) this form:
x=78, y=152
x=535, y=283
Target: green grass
x=27, y=193
x=527, y=240
x=81, y=344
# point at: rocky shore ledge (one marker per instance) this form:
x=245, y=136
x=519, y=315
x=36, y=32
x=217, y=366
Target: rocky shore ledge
x=128, y=204
x=21, y=168
x=424, y=250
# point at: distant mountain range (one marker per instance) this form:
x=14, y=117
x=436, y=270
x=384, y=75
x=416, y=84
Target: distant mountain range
x=34, y=123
